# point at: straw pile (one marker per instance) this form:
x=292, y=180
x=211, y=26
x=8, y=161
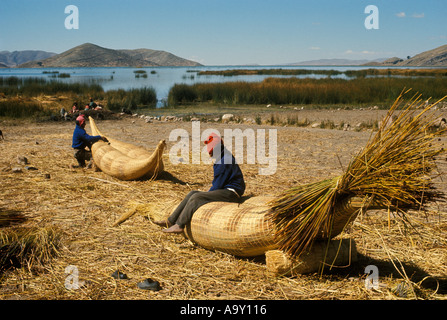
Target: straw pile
x=393, y=171
x=29, y=247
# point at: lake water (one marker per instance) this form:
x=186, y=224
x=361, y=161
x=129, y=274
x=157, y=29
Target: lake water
x=160, y=78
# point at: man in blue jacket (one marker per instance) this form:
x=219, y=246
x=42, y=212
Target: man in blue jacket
x=228, y=185
x=82, y=140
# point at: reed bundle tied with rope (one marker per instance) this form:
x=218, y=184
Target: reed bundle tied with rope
x=393, y=170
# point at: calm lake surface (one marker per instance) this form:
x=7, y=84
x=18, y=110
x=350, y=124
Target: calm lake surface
x=160, y=78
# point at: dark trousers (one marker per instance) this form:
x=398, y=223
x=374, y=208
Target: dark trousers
x=182, y=215
x=82, y=155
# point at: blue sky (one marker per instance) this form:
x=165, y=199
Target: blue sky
x=230, y=32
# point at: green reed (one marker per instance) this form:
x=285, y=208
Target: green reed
x=29, y=87
x=306, y=91
x=131, y=99
x=34, y=86
x=21, y=109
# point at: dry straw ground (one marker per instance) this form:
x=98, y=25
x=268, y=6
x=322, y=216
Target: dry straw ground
x=83, y=205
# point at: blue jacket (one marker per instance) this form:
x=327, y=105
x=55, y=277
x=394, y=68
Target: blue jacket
x=81, y=139
x=227, y=174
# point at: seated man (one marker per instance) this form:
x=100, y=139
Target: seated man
x=81, y=140
x=228, y=185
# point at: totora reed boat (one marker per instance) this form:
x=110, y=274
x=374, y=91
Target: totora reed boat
x=126, y=161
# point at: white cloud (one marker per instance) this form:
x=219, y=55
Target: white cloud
x=418, y=15
x=366, y=53
x=314, y=48
x=360, y=52
x=414, y=15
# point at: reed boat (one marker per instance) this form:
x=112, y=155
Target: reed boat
x=247, y=229
x=123, y=160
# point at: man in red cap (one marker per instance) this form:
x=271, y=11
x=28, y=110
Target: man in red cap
x=228, y=185
x=81, y=140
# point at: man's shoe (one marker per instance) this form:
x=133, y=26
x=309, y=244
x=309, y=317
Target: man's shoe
x=174, y=229
x=163, y=223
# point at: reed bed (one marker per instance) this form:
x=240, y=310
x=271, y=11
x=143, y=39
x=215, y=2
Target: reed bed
x=401, y=72
x=23, y=95
x=305, y=91
x=131, y=99
x=277, y=71
x=16, y=108
x=35, y=86
x=350, y=73
x=393, y=171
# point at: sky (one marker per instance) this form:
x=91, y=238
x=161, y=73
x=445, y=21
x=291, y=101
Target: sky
x=231, y=32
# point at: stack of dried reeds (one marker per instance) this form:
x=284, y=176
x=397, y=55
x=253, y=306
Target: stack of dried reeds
x=28, y=246
x=393, y=170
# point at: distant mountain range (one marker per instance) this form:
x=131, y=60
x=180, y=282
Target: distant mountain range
x=432, y=58
x=13, y=59
x=91, y=55
x=334, y=62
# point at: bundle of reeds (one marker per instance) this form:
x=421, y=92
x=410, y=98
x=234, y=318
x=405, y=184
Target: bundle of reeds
x=393, y=170
x=30, y=247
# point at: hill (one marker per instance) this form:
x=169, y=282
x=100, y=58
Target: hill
x=12, y=59
x=431, y=58
x=388, y=62
x=161, y=58
x=91, y=55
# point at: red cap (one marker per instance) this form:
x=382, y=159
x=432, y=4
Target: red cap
x=80, y=119
x=212, y=141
